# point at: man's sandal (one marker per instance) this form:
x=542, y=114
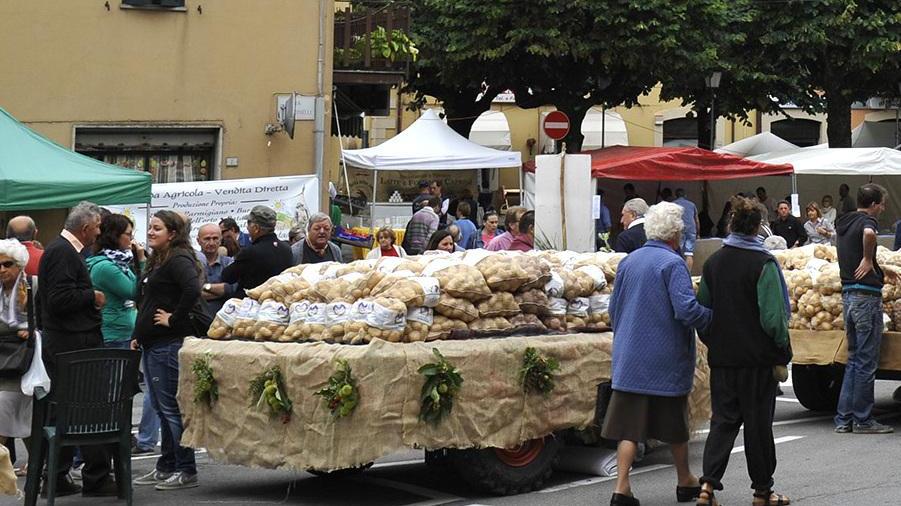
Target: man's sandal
x=770, y=498
x=706, y=498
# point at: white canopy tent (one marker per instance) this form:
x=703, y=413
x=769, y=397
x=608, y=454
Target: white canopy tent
x=492, y=130
x=876, y=134
x=764, y=142
x=428, y=144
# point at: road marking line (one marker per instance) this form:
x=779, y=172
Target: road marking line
x=778, y=440
x=592, y=481
x=788, y=399
x=436, y=497
x=398, y=463
x=156, y=456
x=789, y=422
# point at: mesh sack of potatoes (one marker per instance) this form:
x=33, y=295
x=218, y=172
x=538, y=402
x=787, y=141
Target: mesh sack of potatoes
x=456, y=308
x=554, y=286
x=823, y=320
x=501, y=304
x=501, y=271
x=458, y=279
x=245, y=318
x=447, y=328
x=598, y=310
x=388, y=265
x=577, y=314
x=297, y=316
x=894, y=311
x=264, y=291
x=532, y=301
x=537, y=271
x=361, y=266
x=828, y=280
x=419, y=322
x=555, y=320
x=576, y=284
x=347, y=288
x=313, y=326
x=612, y=264
x=336, y=316
x=376, y=318
x=410, y=289
x=890, y=292
x=799, y=283
x=491, y=326
x=600, y=260
x=526, y=323
x=272, y=320
x=798, y=322
x=221, y=328
x=825, y=252
x=295, y=290
x=809, y=304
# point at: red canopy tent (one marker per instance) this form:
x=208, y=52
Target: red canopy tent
x=673, y=164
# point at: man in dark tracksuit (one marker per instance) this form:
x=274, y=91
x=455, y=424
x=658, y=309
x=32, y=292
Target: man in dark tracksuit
x=70, y=319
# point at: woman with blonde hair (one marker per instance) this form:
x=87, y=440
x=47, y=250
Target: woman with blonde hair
x=386, y=239
x=819, y=230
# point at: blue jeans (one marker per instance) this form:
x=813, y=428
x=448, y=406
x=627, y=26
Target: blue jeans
x=149, y=428
x=161, y=368
x=863, y=326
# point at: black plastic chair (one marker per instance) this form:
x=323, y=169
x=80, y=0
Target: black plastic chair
x=90, y=404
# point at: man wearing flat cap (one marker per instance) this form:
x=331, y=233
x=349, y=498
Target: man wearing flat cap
x=266, y=256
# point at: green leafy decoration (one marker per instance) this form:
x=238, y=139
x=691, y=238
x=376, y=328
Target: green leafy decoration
x=206, y=390
x=341, y=395
x=442, y=382
x=537, y=373
x=267, y=391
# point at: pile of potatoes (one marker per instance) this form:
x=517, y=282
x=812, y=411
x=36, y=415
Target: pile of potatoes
x=456, y=308
x=500, y=304
x=347, y=288
x=502, y=272
x=409, y=289
x=459, y=280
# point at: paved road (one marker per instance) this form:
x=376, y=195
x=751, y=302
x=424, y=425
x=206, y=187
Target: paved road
x=816, y=467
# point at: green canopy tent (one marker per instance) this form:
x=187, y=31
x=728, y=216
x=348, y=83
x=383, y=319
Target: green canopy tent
x=36, y=173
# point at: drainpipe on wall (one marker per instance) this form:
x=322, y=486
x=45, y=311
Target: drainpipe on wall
x=319, y=123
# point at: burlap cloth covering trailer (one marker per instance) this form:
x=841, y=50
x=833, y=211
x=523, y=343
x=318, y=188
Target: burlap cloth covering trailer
x=490, y=410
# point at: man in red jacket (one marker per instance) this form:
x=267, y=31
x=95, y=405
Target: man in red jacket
x=24, y=229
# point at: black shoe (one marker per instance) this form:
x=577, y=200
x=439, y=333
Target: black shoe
x=624, y=500
x=137, y=450
x=109, y=488
x=64, y=486
x=687, y=494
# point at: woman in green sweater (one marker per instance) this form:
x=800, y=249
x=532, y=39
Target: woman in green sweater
x=113, y=273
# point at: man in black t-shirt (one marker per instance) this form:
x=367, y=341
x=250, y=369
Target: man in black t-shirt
x=862, y=280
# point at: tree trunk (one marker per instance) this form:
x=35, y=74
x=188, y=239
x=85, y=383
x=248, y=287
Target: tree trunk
x=576, y=112
x=838, y=119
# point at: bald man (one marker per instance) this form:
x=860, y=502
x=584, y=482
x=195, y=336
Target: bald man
x=24, y=229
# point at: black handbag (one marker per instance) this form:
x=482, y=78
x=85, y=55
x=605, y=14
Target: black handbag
x=200, y=319
x=16, y=353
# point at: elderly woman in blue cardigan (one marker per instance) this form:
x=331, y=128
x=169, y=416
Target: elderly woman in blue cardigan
x=654, y=313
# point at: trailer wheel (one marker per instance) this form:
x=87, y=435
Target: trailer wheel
x=508, y=471
x=817, y=387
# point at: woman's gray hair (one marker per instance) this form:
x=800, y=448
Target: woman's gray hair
x=15, y=250
x=636, y=206
x=316, y=218
x=80, y=215
x=663, y=221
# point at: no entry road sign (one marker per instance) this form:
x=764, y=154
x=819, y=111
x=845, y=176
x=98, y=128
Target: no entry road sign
x=556, y=125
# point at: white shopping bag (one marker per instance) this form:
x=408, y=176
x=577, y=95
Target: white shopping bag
x=36, y=376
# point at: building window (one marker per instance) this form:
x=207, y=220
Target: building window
x=171, y=5
x=171, y=155
x=680, y=132
x=800, y=132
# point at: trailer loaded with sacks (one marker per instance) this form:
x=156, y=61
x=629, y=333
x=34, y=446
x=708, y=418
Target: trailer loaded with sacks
x=485, y=361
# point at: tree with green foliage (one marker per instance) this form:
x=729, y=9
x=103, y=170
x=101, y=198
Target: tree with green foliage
x=840, y=51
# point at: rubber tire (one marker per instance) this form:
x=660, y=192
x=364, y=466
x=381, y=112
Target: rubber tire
x=817, y=387
x=483, y=470
x=341, y=473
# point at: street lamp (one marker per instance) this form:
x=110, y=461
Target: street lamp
x=713, y=83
